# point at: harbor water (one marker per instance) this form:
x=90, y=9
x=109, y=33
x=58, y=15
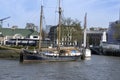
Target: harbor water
x=98, y=68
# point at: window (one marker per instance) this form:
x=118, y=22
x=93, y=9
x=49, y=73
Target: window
x=35, y=36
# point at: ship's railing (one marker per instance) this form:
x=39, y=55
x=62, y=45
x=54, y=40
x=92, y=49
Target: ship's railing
x=63, y=48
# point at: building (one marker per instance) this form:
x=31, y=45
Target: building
x=7, y=34
x=112, y=46
x=47, y=28
x=53, y=33
x=94, y=36
x=69, y=35
x=113, y=32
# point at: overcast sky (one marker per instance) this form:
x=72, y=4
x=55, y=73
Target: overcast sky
x=100, y=12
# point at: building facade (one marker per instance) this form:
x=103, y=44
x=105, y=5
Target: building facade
x=94, y=36
x=7, y=34
x=113, y=30
x=67, y=36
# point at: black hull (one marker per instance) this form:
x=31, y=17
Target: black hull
x=35, y=57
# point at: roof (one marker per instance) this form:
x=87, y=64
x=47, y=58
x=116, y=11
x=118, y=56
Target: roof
x=13, y=31
x=35, y=33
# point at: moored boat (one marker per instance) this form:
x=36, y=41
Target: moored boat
x=27, y=55
x=50, y=55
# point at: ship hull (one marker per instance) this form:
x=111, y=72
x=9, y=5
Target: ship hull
x=26, y=56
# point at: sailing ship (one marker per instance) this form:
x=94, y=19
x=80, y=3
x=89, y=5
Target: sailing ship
x=60, y=54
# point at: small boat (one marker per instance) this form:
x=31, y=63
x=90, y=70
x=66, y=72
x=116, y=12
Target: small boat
x=50, y=55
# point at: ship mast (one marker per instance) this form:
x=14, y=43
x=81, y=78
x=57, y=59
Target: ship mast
x=119, y=16
x=85, y=35
x=59, y=26
x=40, y=34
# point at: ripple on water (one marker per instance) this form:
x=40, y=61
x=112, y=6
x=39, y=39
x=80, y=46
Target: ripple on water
x=98, y=68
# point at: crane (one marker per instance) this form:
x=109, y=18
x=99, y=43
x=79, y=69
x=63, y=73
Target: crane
x=1, y=20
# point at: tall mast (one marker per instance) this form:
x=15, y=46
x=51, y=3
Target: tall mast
x=119, y=16
x=59, y=25
x=40, y=35
x=85, y=25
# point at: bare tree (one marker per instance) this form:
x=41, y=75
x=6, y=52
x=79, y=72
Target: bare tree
x=31, y=26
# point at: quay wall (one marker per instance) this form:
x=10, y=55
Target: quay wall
x=105, y=51
x=9, y=54
x=110, y=46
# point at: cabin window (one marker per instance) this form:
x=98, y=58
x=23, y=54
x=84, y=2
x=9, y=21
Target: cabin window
x=35, y=36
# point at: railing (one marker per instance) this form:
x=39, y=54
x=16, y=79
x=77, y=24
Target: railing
x=110, y=46
x=63, y=48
